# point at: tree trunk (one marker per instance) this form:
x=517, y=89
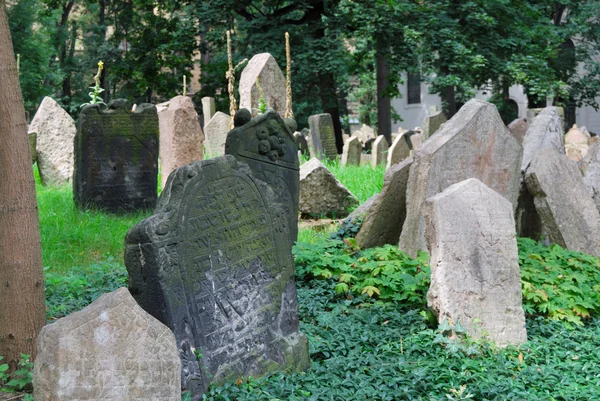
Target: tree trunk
x=384, y=103
x=22, y=300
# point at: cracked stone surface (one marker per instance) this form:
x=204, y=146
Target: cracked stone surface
x=475, y=277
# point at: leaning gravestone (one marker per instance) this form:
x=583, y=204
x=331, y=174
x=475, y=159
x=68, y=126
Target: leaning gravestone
x=267, y=145
x=383, y=220
x=590, y=166
x=116, y=157
x=323, y=136
x=564, y=202
x=208, y=107
x=399, y=150
x=110, y=350
x=351, y=152
x=518, y=129
x=475, y=277
x=215, y=134
x=55, y=131
x=379, y=153
x=214, y=264
x=180, y=136
x=264, y=69
x=433, y=123
x=475, y=143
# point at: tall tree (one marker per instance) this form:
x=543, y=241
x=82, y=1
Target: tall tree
x=22, y=301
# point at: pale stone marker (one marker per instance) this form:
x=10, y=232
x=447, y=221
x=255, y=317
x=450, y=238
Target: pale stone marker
x=351, y=152
x=518, y=128
x=110, y=350
x=399, y=150
x=577, y=143
x=208, y=108
x=180, y=136
x=264, y=68
x=564, y=202
x=322, y=136
x=215, y=134
x=433, y=123
x=416, y=141
x=55, y=131
x=475, y=143
x=475, y=274
x=531, y=114
x=590, y=167
x=379, y=154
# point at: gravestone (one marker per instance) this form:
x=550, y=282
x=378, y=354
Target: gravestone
x=475, y=276
x=302, y=144
x=590, y=167
x=475, y=143
x=577, y=143
x=321, y=194
x=379, y=153
x=383, y=220
x=180, y=136
x=110, y=350
x=208, y=107
x=264, y=68
x=267, y=145
x=351, y=152
x=116, y=157
x=214, y=264
x=215, y=134
x=531, y=115
x=563, y=202
x=416, y=141
x=432, y=123
x=55, y=131
x=399, y=150
x=322, y=136
x=518, y=129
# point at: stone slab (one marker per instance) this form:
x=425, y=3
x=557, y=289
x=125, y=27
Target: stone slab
x=351, y=152
x=264, y=68
x=322, y=136
x=215, y=134
x=379, y=153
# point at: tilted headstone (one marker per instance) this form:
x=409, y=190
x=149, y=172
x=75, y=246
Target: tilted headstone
x=432, y=123
x=577, y=143
x=267, y=145
x=116, y=157
x=416, y=141
x=382, y=223
x=321, y=194
x=264, y=68
x=55, y=131
x=379, y=152
x=208, y=107
x=322, y=136
x=180, y=136
x=215, y=134
x=110, y=350
x=590, y=167
x=475, y=143
x=564, y=202
x=351, y=152
x=531, y=114
x=399, y=150
x=214, y=264
x=302, y=143
x=475, y=274
x=518, y=129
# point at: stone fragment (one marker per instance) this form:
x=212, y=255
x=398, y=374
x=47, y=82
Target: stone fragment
x=382, y=223
x=475, y=275
x=518, y=129
x=32, y=136
x=110, y=350
x=215, y=134
x=322, y=136
x=433, y=123
x=302, y=144
x=577, y=143
x=399, y=150
x=379, y=154
x=267, y=145
x=351, y=152
x=531, y=114
x=214, y=264
x=590, y=167
x=116, y=157
x=321, y=194
x=180, y=136
x=264, y=68
x=475, y=143
x=208, y=107
x=55, y=131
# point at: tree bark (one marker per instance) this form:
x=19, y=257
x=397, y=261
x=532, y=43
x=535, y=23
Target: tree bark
x=22, y=300
x=384, y=103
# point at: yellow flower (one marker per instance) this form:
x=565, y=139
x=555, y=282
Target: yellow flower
x=101, y=64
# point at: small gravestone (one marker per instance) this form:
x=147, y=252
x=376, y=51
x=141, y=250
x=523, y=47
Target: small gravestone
x=475, y=277
x=214, y=264
x=399, y=150
x=518, y=129
x=264, y=69
x=116, y=157
x=321, y=194
x=208, y=107
x=383, y=220
x=379, y=153
x=475, y=143
x=267, y=145
x=564, y=202
x=323, y=136
x=577, y=143
x=365, y=159
x=590, y=168
x=180, y=136
x=55, y=131
x=302, y=143
x=351, y=152
x=416, y=141
x=110, y=350
x=433, y=123
x=531, y=114
x=215, y=134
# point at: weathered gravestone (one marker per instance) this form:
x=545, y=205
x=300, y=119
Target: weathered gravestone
x=116, y=157
x=380, y=152
x=302, y=144
x=383, y=220
x=518, y=129
x=563, y=202
x=55, y=131
x=475, y=143
x=214, y=264
x=264, y=69
x=577, y=143
x=110, y=350
x=351, y=152
x=433, y=123
x=416, y=141
x=267, y=145
x=531, y=114
x=399, y=150
x=215, y=134
x=180, y=136
x=208, y=108
x=590, y=167
x=475, y=276
x=322, y=136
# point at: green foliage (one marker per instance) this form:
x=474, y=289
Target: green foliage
x=362, y=181
x=20, y=379
x=507, y=112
